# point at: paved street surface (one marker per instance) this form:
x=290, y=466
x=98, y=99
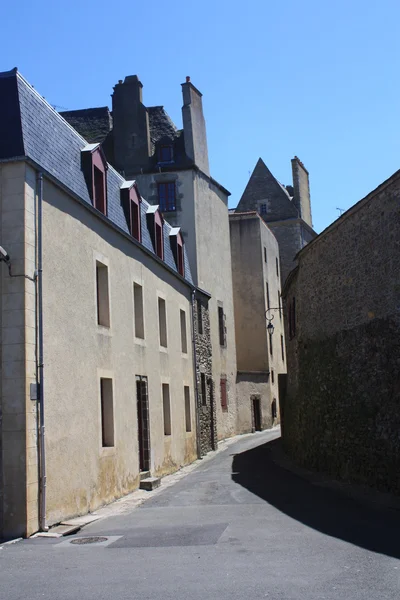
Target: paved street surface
x=237, y=527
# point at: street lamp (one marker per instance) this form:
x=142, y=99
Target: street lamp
x=269, y=317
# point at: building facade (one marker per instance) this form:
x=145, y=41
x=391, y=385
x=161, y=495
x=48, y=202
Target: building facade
x=286, y=209
x=99, y=325
x=341, y=412
x=172, y=170
x=257, y=301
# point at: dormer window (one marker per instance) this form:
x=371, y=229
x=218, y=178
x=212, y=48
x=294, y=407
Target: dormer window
x=94, y=167
x=165, y=154
x=176, y=240
x=155, y=224
x=130, y=200
x=263, y=209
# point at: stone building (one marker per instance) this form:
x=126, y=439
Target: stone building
x=172, y=170
x=286, y=210
x=341, y=413
x=257, y=301
x=101, y=332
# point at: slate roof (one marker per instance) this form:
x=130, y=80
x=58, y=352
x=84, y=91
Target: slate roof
x=264, y=187
x=161, y=125
x=94, y=124
x=30, y=128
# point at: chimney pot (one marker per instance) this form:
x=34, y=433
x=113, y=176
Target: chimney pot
x=187, y=79
x=119, y=80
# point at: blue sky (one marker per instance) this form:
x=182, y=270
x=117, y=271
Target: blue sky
x=314, y=79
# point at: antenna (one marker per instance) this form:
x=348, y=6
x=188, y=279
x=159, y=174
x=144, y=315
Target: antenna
x=57, y=107
x=341, y=211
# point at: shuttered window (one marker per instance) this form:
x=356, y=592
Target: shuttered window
x=221, y=326
x=224, y=397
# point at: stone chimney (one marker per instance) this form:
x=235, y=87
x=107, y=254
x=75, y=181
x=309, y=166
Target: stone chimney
x=194, y=126
x=301, y=190
x=131, y=133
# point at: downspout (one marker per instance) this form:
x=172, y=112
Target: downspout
x=196, y=387
x=40, y=365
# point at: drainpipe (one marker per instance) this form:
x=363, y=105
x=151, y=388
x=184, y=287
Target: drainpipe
x=40, y=365
x=196, y=387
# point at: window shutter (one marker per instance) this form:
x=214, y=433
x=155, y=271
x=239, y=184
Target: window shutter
x=224, y=399
x=126, y=207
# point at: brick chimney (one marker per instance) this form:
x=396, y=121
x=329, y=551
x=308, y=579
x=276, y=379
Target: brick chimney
x=194, y=126
x=301, y=190
x=131, y=133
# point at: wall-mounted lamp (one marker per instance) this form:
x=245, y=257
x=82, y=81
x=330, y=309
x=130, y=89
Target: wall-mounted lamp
x=269, y=316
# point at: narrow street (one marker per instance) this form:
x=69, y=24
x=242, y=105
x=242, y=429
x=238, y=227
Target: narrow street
x=239, y=526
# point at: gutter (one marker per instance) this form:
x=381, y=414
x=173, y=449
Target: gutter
x=40, y=365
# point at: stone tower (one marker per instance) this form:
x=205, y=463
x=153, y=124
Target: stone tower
x=286, y=210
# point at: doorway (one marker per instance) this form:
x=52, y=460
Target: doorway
x=256, y=409
x=142, y=400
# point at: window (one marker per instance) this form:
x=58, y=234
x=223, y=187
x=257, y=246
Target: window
x=267, y=291
x=155, y=223
x=166, y=409
x=188, y=417
x=167, y=196
x=263, y=209
x=99, y=199
x=107, y=413
x=159, y=241
x=183, y=332
x=280, y=305
x=203, y=389
x=272, y=376
x=180, y=261
x=277, y=267
x=265, y=254
x=165, y=154
x=224, y=397
x=103, y=302
x=199, y=318
x=94, y=167
x=273, y=409
x=282, y=349
x=292, y=318
x=176, y=240
x=221, y=325
x=130, y=200
x=162, y=322
x=138, y=310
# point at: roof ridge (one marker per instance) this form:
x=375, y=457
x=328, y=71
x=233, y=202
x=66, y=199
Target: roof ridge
x=82, y=109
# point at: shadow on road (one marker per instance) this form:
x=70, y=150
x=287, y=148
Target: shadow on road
x=320, y=508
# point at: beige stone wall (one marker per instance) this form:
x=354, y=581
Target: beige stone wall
x=81, y=474
x=18, y=441
x=255, y=253
x=202, y=213
x=215, y=276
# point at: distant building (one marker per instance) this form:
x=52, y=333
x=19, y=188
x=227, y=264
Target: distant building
x=261, y=357
x=341, y=412
x=124, y=325
x=286, y=210
x=172, y=171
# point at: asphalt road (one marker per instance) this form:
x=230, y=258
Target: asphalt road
x=239, y=526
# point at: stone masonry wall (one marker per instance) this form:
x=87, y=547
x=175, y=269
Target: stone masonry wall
x=206, y=407
x=342, y=407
